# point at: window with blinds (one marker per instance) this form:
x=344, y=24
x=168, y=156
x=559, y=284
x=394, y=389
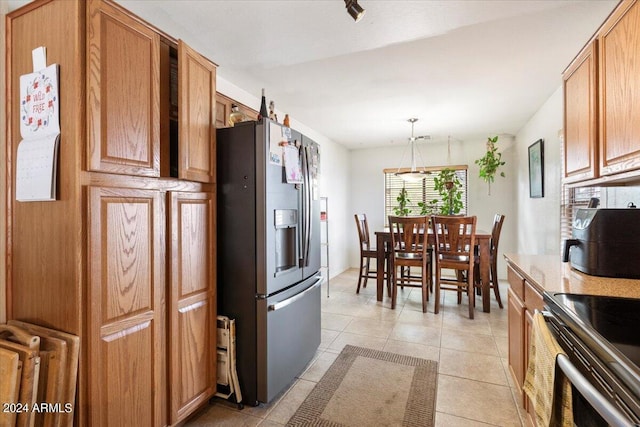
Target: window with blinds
x=419, y=192
x=572, y=199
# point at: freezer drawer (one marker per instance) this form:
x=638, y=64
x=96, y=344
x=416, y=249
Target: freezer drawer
x=288, y=336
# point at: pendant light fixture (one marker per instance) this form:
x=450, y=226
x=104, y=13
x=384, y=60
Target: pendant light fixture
x=413, y=175
x=354, y=9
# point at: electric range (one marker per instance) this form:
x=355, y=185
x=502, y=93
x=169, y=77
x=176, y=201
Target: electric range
x=602, y=336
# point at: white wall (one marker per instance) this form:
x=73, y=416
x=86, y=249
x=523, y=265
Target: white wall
x=619, y=197
x=367, y=186
x=538, y=229
x=334, y=176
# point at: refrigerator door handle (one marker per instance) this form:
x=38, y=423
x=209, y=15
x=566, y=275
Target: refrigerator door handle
x=277, y=306
x=306, y=207
x=309, y=206
x=303, y=217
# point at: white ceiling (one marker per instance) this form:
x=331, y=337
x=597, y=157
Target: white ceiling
x=468, y=69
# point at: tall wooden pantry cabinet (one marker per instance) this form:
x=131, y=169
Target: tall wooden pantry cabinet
x=125, y=257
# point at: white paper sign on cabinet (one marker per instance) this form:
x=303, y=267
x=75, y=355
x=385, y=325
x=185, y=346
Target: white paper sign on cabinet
x=40, y=130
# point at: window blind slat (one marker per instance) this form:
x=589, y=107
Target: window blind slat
x=418, y=192
x=572, y=200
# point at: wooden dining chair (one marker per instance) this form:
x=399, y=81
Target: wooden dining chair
x=367, y=252
x=498, y=220
x=455, y=238
x=409, y=243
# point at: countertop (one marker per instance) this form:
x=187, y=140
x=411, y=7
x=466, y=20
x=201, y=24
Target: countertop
x=550, y=274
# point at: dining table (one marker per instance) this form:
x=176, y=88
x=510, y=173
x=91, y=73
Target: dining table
x=483, y=241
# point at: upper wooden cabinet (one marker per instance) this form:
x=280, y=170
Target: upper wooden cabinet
x=196, y=118
x=619, y=72
x=123, y=84
x=602, y=101
x=580, y=117
x=223, y=109
x=151, y=102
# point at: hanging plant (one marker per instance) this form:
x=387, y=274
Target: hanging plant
x=490, y=162
x=403, y=201
x=427, y=208
x=448, y=185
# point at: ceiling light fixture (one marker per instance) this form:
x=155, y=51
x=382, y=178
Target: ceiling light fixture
x=354, y=9
x=413, y=175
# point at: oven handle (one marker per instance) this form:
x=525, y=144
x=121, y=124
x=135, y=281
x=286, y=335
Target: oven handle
x=612, y=415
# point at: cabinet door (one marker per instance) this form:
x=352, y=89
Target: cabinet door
x=223, y=109
x=192, y=302
x=196, y=106
x=250, y=114
x=516, y=338
x=580, y=119
x=619, y=81
x=123, y=93
x=528, y=326
x=126, y=320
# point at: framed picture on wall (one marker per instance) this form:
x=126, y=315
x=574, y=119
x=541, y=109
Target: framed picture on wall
x=536, y=169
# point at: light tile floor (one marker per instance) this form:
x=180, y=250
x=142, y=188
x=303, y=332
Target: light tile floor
x=474, y=385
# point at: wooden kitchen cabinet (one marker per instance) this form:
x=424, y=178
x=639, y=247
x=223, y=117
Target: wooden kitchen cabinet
x=223, y=109
x=619, y=88
x=123, y=93
x=222, y=112
x=515, y=317
x=523, y=300
x=125, y=257
x=124, y=107
x=516, y=337
x=602, y=100
x=192, y=301
x=580, y=117
x=197, y=130
x=126, y=288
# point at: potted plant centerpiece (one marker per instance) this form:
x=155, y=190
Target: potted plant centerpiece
x=448, y=185
x=490, y=162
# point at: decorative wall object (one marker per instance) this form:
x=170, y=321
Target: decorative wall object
x=536, y=169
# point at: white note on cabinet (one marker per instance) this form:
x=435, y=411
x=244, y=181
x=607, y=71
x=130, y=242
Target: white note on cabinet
x=36, y=168
x=37, y=154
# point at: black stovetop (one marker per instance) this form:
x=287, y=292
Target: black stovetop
x=616, y=319
x=609, y=326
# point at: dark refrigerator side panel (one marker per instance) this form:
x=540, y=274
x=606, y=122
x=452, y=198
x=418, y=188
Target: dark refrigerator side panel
x=236, y=178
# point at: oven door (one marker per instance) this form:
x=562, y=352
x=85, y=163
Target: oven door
x=594, y=402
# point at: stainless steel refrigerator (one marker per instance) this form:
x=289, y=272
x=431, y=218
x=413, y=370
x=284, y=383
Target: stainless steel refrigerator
x=269, y=252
